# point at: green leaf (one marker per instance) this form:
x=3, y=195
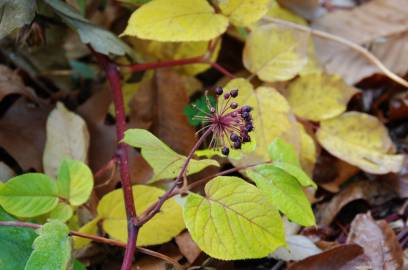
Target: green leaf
x=82, y=70
x=77, y=265
x=165, y=162
x=283, y=156
x=15, y=244
x=52, y=248
x=176, y=20
x=160, y=229
x=234, y=221
x=201, y=104
x=100, y=39
x=63, y=212
x=296, y=172
x=29, y=195
x=285, y=192
x=15, y=14
x=75, y=181
x=279, y=150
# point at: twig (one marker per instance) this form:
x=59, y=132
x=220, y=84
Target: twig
x=105, y=167
x=98, y=239
x=155, y=208
x=113, y=77
x=343, y=41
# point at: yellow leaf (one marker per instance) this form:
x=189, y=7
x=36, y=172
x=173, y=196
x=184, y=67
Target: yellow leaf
x=361, y=140
x=160, y=229
x=275, y=53
x=176, y=20
x=319, y=96
x=89, y=228
x=308, y=150
x=243, y=12
x=272, y=118
x=278, y=12
x=67, y=137
x=156, y=50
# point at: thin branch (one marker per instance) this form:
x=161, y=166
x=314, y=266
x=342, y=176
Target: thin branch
x=113, y=77
x=345, y=42
x=155, y=208
x=105, y=167
x=98, y=239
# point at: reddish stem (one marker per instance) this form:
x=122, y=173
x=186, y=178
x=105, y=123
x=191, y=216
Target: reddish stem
x=155, y=208
x=113, y=76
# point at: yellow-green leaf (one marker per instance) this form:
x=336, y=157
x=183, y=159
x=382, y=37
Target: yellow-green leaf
x=234, y=221
x=165, y=162
x=160, y=229
x=29, y=195
x=75, y=181
x=243, y=12
x=275, y=53
x=361, y=140
x=63, y=212
x=278, y=12
x=89, y=228
x=176, y=20
x=308, y=152
x=285, y=192
x=319, y=96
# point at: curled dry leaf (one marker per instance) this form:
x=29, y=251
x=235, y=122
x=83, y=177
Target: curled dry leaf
x=361, y=140
x=23, y=133
x=375, y=193
x=384, y=33
x=188, y=247
x=299, y=248
x=67, y=137
x=378, y=241
x=5, y=172
x=344, y=257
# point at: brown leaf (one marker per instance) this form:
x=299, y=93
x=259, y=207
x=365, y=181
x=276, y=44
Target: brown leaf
x=11, y=83
x=160, y=104
x=385, y=33
x=306, y=8
x=22, y=133
x=378, y=241
x=344, y=257
x=188, y=247
x=345, y=172
x=374, y=192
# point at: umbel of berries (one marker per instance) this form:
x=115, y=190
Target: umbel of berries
x=230, y=123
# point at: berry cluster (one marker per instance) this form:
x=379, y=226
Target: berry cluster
x=230, y=123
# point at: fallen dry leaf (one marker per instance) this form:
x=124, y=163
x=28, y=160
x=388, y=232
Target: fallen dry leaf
x=299, y=248
x=5, y=172
x=344, y=257
x=159, y=106
x=379, y=25
x=187, y=247
x=67, y=137
x=23, y=133
x=378, y=241
x=374, y=192
x=11, y=83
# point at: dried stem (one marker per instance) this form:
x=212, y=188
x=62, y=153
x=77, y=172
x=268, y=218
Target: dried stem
x=113, y=76
x=343, y=41
x=155, y=208
x=98, y=239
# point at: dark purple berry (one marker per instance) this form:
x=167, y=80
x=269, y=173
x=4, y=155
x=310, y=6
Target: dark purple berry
x=249, y=127
x=237, y=145
x=218, y=91
x=246, y=108
x=234, y=137
x=226, y=95
x=234, y=114
x=246, y=138
x=225, y=151
x=234, y=93
x=234, y=105
x=245, y=115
